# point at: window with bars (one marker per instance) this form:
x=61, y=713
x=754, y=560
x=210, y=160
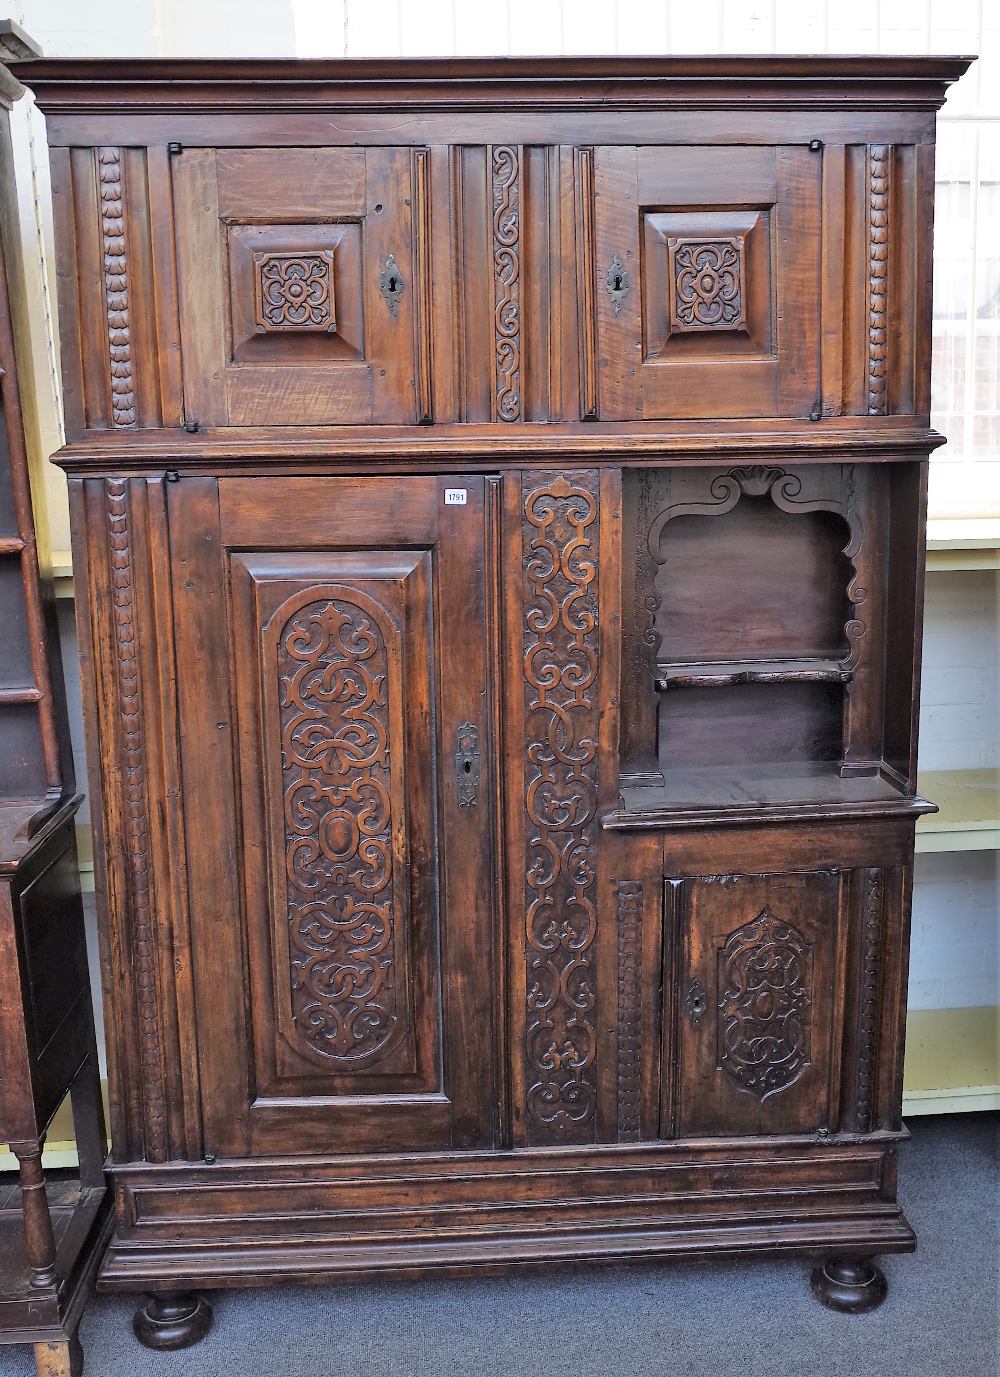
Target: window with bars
x=966, y=359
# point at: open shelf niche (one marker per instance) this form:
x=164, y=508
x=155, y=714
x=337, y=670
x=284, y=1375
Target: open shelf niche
x=758, y=634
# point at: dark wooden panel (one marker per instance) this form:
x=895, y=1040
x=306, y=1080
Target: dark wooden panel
x=759, y=1008
x=356, y=663
x=286, y=261
x=721, y=315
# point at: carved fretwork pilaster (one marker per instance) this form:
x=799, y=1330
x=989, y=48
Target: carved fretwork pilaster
x=505, y=166
x=560, y=517
x=872, y=909
x=628, y=895
x=135, y=810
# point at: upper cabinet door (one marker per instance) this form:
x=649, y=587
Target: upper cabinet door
x=298, y=285
x=708, y=264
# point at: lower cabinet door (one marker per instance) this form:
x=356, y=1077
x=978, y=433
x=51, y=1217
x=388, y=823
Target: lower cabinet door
x=342, y=929
x=759, y=976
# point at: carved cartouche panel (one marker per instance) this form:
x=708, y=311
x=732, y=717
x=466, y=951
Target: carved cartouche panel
x=707, y=283
x=294, y=291
x=560, y=647
x=765, y=978
x=332, y=665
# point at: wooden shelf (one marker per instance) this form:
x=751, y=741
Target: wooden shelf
x=952, y=1061
x=723, y=673
x=962, y=545
x=969, y=817
x=748, y=792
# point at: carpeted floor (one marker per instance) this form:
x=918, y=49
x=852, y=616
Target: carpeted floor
x=941, y=1319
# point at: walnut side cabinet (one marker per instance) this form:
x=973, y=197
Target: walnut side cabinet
x=499, y=497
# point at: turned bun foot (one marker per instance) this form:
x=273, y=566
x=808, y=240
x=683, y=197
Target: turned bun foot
x=172, y=1319
x=852, y=1285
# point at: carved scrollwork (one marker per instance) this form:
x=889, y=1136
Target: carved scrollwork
x=116, y=286
x=761, y=480
x=294, y=291
x=332, y=667
x=707, y=283
x=765, y=1002
x=506, y=282
x=560, y=642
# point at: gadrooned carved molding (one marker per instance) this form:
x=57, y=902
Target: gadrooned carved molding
x=878, y=278
x=131, y=744
x=706, y=283
x=628, y=898
x=873, y=907
x=294, y=291
x=116, y=287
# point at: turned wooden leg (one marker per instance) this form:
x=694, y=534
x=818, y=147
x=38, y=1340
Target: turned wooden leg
x=172, y=1319
x=59, y=1360
x=852, y=1285
x=39, y=1240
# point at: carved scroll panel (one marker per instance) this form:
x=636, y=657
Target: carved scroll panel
x=336, y=792
x=333, y=650
x=559, y=645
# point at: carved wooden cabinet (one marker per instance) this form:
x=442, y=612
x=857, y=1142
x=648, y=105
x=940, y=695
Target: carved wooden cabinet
x=499, y=505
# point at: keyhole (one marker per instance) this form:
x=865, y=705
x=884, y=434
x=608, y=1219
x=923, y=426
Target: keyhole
x=617, y=283
x=468, y=767
x=392, y=284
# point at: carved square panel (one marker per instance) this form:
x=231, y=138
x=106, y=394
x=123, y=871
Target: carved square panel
x=294, y=291
x=295, y=294
x=706, y=283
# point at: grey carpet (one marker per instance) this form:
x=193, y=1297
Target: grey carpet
x=941, y=1318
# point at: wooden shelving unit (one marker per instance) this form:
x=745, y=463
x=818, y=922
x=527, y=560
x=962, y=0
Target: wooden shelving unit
x=969, y=817
x=963, y=544
x=953, y=1055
